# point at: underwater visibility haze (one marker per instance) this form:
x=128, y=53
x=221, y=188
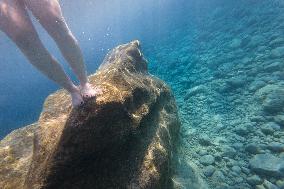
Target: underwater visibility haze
x=223, y=59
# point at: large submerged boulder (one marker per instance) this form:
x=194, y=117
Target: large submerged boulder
x=124, y=138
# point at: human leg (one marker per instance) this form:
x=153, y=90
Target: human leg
x=15, y=22
x=49, y=14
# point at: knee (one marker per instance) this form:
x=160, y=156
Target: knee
x=14, y=25
x=24, y=38
x=22, y=35
x=48, y=13
x=3, y=14
x=3, y=8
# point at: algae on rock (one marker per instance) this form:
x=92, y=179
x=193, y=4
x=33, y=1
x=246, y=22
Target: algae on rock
x=123, y=138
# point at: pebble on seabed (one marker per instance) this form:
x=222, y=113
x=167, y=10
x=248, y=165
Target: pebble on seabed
x=231, y=90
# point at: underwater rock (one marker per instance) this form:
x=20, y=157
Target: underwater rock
x=242, y=130
x=254, y=180
x=257, y=84
x=267, y=165
x=275, y=66
x=280, y=183
x=236, y=43
x=273, y=125
x=267, y=130
x=229, y=152
x=256, y=41
x=123, y=138
x=253, y=148
x=15, y=156
x=272, y=98
x=280, y=120
x=209, y=170
x=205, y=140
x=194, y=91
x=207, y=160
x=218, y=176
x=274, y=101
x=276, y=42
x=245, y=41
x=278, y=52
x=236, y=169
x=236, y=82
x=188, y=176
x=269, y=185
x=259, y=187
x=276, y=147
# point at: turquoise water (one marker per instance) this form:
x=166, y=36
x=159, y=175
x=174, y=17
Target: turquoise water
x=224, y=61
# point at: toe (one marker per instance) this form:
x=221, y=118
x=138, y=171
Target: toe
x=77, y=100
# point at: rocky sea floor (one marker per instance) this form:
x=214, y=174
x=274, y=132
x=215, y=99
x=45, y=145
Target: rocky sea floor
x=227, y=71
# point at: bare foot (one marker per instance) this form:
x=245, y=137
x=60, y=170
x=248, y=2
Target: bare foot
x=87, y=91
x=76, y=98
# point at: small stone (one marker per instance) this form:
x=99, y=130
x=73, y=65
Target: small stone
x=194, y=91
x=239, y=180
x=245, y=170
x=236, y=169
x=236, y=43
x=276, y=147
x=271, y=126
x=254, y=180
x=255, y=85
x=256, y=41
x=260, y=187
x=279, y=119
x=252, y=148
x=238, y=146
x=242, y=131
x=268, y=165
x=177, y=183
x=229, y=152
x=274, y=101
x=267, y=130
x=245, y=40
x=246, y=60
x=280, y=183
x=272, y=98
x=274, y=126
x=236, y=82
x=195, y=155
x=209, y=170
x=223, y=186
x=258, y=118
x=276, y=66
x=218, y=158
x=207, y=160
x=202, y=152
x=276, y=42
x=230, y=163
x=218, y=176
x=269, y=185
x=278, y=52
x=205, y=140
x=261, y=48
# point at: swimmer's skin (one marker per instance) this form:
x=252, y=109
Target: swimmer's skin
x=15, y=22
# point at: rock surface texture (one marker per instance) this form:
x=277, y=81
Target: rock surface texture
x=123, y=138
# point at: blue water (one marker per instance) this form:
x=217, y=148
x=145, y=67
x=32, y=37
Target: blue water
x=224, y=61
